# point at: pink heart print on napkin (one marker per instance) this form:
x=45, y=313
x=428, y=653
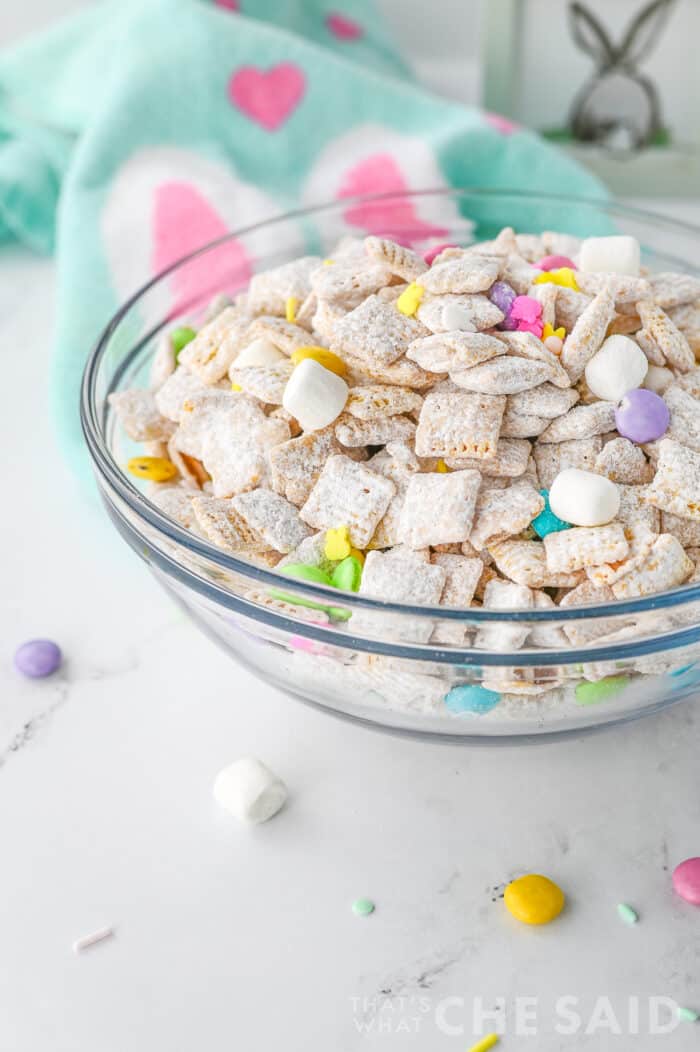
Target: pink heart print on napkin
x=268, y=97
x=183, y=220
x=396, y=219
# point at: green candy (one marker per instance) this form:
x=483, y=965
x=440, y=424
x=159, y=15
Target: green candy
x=593, y=693
x=180, y=338
x=362, y=907
x=347, y=575
x=313, y=575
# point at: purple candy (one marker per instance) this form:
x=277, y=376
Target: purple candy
x=642, y=416
x=503, y=295
x=38, y=658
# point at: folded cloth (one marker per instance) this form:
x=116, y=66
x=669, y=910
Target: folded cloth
x=134, y=132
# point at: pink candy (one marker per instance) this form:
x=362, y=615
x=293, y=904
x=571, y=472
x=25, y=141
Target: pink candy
x=686, y=880
x=430, y=255
x=555, y=262
x=527, y=311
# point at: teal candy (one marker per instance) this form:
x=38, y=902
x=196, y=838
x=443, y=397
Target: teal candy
x=118, y=81
x=547, y=522
x=472, y=699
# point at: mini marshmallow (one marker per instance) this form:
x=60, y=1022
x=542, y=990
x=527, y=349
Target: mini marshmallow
x=456, y=317
x=249, y=791
x=658, y=378
x=259, y=352
x=610, y=255
x=617, y=368
x=314, y=395
x=583, y=498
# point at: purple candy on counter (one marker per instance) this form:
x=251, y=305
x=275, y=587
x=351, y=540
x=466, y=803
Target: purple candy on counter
x=642, y=416
x=38, y=658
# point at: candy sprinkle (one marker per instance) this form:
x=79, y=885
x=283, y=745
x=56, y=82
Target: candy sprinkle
x=409, y=300
x=290, y=309
x=485, y=1044
x=688, y=1015
x=362, y=907
x=627, y=914
x=86, y=941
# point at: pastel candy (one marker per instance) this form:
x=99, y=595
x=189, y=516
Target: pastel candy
x=38, y=658
x=642, y=416
x=248, y=790
x=547, y=522
x=686, y=880
x=614, y=255
x=534, y=899
x=471, y=698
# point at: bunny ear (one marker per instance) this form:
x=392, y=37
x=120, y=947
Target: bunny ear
x=644, y=30
x=590, y=35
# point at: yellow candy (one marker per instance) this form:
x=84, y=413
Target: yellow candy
x=323, y=356
x=442, y=467
x=409, y=300
x=290, y=308
x=549, y=330
x=327, y=262
x=236, y=387
x=357, y=554
x=156, y=469
x=534, y=899
x=337, y=544
x=564, y=276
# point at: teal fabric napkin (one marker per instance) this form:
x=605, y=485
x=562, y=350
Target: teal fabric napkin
x=133, y=132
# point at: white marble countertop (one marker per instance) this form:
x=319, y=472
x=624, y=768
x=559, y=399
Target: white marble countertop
x=228, y=937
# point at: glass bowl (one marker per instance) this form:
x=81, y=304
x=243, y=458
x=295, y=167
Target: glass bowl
x=392, y=666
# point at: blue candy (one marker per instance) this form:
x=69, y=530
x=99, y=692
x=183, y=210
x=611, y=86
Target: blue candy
x=471, y=698
x=547, y=522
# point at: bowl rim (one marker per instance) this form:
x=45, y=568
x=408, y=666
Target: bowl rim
x=114, y=476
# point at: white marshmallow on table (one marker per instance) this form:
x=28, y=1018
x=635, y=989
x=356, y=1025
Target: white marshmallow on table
x=259, y=352
x=249, y=791
x=583, y=498
x=612, y=255
x=616, y=369
x=456, y=317
x=658, y=378
x=314, y=395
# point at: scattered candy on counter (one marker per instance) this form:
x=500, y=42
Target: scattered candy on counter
x=534, y=899
x=686, y=880
x=688, y=1015
x=627, y=914
x=38, y=658
x=471, y=698
x=583, y=498
x=363, y=907
x=155, y=469
x=410, y=299
x=642, y=416
x=95, y=937
x=616, y=369
x=485, y=1044
x=601, y=690
x=180, y=337
x=249, y=791
x=547, y=522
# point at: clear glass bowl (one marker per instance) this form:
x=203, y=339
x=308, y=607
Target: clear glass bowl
x=392, y=666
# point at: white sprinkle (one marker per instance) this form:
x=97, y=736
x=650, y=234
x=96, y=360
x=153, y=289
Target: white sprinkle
x=87, y=941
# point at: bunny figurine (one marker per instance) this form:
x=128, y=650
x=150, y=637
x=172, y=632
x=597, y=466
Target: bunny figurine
x=618, y=106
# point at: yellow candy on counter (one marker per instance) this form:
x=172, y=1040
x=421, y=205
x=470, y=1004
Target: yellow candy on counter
x=323, y=356
x=534, y=899
x=155, y=469
x=563, y=276
x=410, y=299
x=290, y=308
x=337, y=545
